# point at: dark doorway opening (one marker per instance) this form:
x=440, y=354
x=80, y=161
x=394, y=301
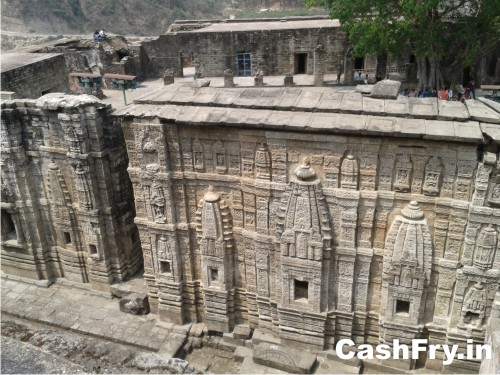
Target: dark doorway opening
x=301, y=63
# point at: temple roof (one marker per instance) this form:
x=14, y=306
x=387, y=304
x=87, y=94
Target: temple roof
x=321, y=109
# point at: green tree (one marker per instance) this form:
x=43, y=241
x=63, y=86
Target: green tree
x=444, y=35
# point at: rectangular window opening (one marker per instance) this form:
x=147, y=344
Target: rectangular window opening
x=93, y=250
x=165, y=267
x=301, y=290
x=402, y=307
x=67, y=237
x=214, y=274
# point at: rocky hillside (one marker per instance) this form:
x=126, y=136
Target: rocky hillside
x=126, y=17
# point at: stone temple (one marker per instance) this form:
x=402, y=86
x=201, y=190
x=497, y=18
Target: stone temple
x=310, y=213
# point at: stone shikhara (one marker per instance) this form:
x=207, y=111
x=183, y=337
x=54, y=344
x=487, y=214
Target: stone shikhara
x=313, y=225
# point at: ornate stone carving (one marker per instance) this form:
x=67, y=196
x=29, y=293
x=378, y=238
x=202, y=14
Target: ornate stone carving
x=158, y=203
x=262, y=162
x=83, y=186
x=474, y=306
x=432, y=180
x=486, y=245
x=220, y=157
x=407, y=265
x=349, y=173
x=403, y=173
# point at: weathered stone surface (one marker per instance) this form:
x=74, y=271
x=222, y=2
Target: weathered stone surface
x=242, y=331
x=286, y=359
x=135, y=303
x=154, y=361
x=386, y=89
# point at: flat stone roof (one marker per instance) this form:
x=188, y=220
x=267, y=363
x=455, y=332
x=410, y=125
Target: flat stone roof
x=316, y=122
x=323, y=99
x=14, y=60
x=287, y=24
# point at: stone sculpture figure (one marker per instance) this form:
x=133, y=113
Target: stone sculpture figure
x=158, y=203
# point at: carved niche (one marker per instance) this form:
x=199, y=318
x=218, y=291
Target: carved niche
x=486, y=246
x=474, y=306
x=262, y=162
x=349, y=172
x=407, y=265
x=403, y=172
x=432, y=179
x=198, y=156
x=83, y=186
x=59, y=194
x=220, y=157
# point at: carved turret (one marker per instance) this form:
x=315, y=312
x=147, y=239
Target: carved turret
x=407, y=265
x=305, y=229
x=215, y=238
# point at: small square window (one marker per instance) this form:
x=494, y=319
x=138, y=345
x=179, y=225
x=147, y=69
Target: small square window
x=214, y=274
x=165, y=267
x=402, y=307
x=93, y=250
x=67, y=237
x=301, y=290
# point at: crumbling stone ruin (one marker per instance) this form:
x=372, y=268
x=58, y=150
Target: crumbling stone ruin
x=67, y=203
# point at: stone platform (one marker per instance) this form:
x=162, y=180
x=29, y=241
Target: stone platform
x=88, y=312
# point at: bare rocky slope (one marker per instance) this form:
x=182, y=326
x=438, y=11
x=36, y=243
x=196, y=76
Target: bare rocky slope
x=126, y=17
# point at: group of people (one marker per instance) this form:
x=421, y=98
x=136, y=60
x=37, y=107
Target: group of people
x=99, y=36
x=457, y=93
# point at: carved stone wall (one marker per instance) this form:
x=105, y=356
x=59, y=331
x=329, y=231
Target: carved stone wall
x=66, y=197
x=318, y=237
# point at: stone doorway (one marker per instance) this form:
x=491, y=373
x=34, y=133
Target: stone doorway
x=300, y=63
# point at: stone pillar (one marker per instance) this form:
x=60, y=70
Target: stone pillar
x=288, y=80
x=168, y=77
x=318, y=65
x=228, y=78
